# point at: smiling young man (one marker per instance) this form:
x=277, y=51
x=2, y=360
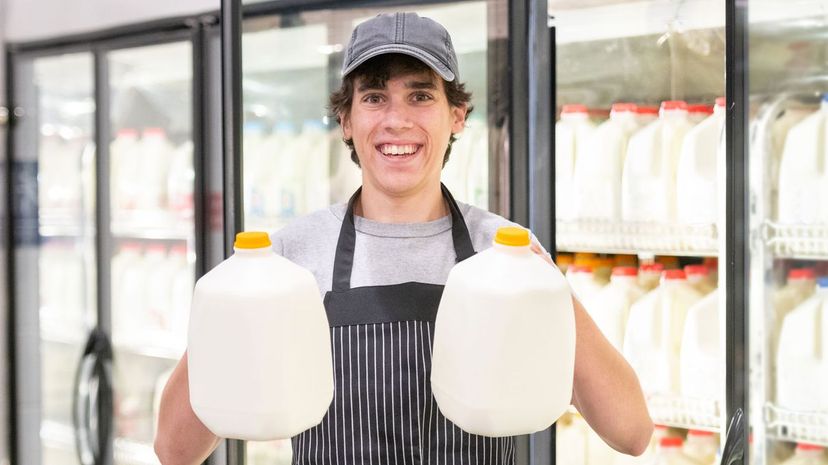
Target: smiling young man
x=381, y=261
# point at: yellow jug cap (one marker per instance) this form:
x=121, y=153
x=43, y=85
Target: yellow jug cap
x=252, y=240
x=512, y=235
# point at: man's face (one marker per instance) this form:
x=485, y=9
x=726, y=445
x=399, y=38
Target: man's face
x=401, y=132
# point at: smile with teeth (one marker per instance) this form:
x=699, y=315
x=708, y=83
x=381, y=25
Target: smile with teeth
x=392, y=149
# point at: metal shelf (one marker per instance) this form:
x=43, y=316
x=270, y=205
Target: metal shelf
x=685, y=412
x=797, y=241
x=637, y=238
x=788, y=425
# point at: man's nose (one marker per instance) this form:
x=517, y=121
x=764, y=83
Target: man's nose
x=397, y=116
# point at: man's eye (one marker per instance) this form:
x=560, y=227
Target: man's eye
x=372, y=98
x=422, y=97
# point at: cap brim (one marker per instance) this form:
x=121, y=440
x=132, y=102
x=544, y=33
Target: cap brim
x=404, y=49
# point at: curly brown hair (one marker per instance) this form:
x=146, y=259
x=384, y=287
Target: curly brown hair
x=376, y=72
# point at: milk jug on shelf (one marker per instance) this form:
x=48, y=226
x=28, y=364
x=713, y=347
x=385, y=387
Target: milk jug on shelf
x=807, y=454
x=701, y=446
x=696, y=178
x=646, y=114
x=800, y=286
x=262, y=307
x=611, y=306
x=583, y=282
x=701, y=357
x=156, y=153
x=699, y=277
x=648, y=192
x=803, y=171
x=669, y=452
x=649, y=274
x=597, y=179
x=572, y=133
x=801, y=360
x=652, y=341
x=181, y=181
x=699, y=112
x=125, y=159
x=503, y=313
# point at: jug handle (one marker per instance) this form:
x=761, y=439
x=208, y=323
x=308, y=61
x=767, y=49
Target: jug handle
x=94, y=365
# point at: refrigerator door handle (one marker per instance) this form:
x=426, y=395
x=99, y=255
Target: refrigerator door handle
x=733, y=451
x=92, y=403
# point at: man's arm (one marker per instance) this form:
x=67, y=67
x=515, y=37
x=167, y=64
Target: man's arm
x=606, y=390
x=182, y=438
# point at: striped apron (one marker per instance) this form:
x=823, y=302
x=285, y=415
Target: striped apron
x=383, y=411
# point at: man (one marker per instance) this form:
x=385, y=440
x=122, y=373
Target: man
x=381, y=262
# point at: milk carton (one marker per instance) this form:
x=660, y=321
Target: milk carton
x=701, y=446
x=516, y=313
x=652, y=341
x=670, y=452
x=597, y=178
x=803, y=171
x=801, y=361
x=699, y=277
x=696, y=178
x=701, y=357
x=262, y=307
x=572, y=134
x=807, y=454
x=648, y=192
x=649, y=275
x=611, y=305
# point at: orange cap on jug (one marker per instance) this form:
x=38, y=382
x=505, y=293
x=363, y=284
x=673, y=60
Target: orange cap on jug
x=252, y=240
x=512, y=235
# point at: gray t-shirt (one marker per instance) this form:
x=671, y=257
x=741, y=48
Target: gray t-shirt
x=384, y=253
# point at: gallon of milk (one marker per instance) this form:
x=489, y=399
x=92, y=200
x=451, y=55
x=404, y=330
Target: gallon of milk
x=652, y=341
x=807, y=454
x=648, y=192
x=503, y=313
x=801, y=285
x=646, y=114
x=801, y=361
x=669, y=452
x=124, y=163
x=583, y=282
x=155, y=157
x=701, y=446
x=611, y=305
x=181, y=181
x=597, y=179
x=697, y=113
x=696, y=176
x=649, y=275
x=262, y=307
x=699, y=277
x=803, y=171
x=572, y=133
x=701, y=357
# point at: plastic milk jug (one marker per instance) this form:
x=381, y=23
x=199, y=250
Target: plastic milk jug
x=611, y=306
x=572, y=133
x=701, y=355
x=699, y=277
x=583, y=282
x=807, y=454
x=803, y=171
x=652, y=341
x=503, y=313
x=269, y=317
x=597, y=184
x=125, y=159
x=669, y=452
x=800, y=286
x=701, y=446
x=649, y=274
x=801, y=361
x=155, y=156
x=697, y=169
x=646, y=114
x=648, y=191
x=698, y=112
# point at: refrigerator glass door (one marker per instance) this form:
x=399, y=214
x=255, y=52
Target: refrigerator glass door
x=294, y=158
x=788, y=159
x=152, y=262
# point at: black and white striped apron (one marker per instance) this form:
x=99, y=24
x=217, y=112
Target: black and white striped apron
x=383, y=411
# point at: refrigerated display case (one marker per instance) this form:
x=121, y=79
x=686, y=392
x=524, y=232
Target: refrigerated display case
x=639, y=190
x=116, y=189
x=788, y=81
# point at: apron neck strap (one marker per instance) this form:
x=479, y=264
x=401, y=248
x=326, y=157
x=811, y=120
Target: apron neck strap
x=344, y=260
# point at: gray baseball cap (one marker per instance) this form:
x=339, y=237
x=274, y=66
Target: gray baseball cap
x=406, y=33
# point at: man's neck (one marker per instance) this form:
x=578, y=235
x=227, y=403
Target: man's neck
x=424, y=206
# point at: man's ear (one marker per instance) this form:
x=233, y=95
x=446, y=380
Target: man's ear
x=458, y=118
x=345, y=122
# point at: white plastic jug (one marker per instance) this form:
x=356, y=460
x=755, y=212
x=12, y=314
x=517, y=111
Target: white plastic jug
x=801, y=361
x=807, y=454
x=648, y=192
x=699, y=112
x=803, y=171
x=699, y=277
x=654, y=330
x=669, y=452
x=259, y=346
x=611, y=306
x=572, y=133
x=701, y=356
x=583, y=282
x=155, y=157
x=649, y=275
x=696, y=176
x=701, y=446
x=646, y=114
x=597, y=179
x=800, y=286
x=504, y=312
x=125, y=159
